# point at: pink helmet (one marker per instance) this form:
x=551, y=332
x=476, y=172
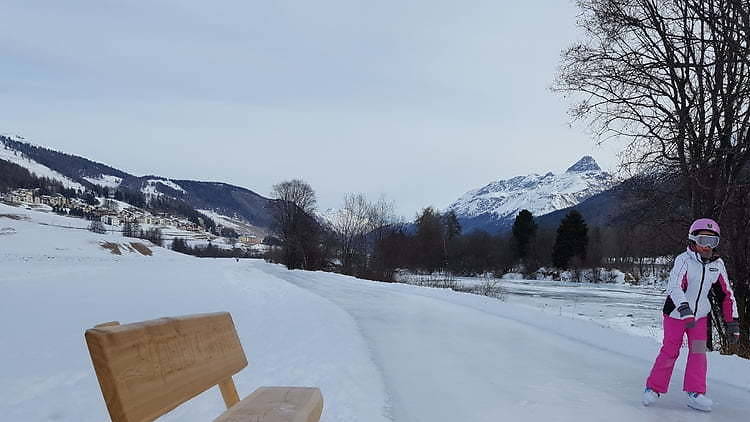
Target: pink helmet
x=705, y=224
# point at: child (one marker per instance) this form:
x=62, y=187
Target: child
x=696, y=272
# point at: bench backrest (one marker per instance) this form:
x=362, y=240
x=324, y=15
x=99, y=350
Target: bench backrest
x=148, y=368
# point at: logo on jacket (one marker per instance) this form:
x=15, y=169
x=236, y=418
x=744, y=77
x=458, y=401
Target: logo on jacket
x=713, y=269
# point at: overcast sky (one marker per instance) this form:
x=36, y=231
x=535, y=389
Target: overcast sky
x=417, y=100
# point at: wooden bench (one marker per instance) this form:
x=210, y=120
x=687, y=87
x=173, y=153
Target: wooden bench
x=148, y=368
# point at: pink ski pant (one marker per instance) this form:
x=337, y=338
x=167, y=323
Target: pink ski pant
x=697, y=365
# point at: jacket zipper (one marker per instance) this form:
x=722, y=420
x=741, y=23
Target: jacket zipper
x=700, y=290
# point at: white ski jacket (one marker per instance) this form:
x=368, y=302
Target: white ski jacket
x=692, y=279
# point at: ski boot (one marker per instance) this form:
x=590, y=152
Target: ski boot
x=699, y=401
x=649, y=397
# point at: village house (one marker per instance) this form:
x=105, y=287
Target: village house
x=56, y=200
x=107, y=215
x=24, y=196
x=249, y=239
x=112, y=220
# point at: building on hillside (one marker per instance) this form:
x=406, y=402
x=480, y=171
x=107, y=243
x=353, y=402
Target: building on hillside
x=249, y=239
x=112, y=220
x=56, y=200
x=127, y=216
x=25, y=196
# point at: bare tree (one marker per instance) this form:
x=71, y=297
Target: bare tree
x=672, y=79
x=296, y=195
x=293, y=211
x=382, y=219
x=351, y=225
x=358, y=226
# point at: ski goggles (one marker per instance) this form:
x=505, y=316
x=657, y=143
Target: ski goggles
x=705, y=240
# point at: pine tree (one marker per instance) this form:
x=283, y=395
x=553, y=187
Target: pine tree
x=524, y=230
x=451, y=238
x=127, y=229
x=429, y=239
x=571, y=242
x=452, y=226
x=135, y=228
x=97, y=226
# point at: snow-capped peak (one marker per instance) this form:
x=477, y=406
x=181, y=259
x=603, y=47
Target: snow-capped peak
x=540, y=194
x=587, y=163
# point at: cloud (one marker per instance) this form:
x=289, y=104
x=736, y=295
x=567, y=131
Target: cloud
x=418, y=100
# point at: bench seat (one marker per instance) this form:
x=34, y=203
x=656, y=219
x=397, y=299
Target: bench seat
x=146, y=369
x=277, y=404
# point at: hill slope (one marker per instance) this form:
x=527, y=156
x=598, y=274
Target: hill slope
x=81, y=173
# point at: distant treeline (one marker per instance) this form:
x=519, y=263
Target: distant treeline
x=211, y=250
x=66, y=164
x=15, y=176
x=364, y=240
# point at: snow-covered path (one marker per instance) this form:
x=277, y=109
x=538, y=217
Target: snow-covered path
x=378, y=351
x=446, y=360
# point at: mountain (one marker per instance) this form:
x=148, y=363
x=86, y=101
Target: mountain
x=80, y=173
x=611, y=207
x=494, y=207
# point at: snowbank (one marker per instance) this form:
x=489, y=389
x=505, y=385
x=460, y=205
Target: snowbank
x=57, y=282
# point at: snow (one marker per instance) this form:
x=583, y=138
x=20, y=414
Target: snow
x=540, y=194
x=587, y=163
x=59, y=282
x=40, y=170
x=629, y=309
x=235, y=223
x=118, y=205
x=378, y=351
x=171, y=184
x=488, y=360
x=150, y=186
x=329, y=217
x=622, y=307
x=105, y=180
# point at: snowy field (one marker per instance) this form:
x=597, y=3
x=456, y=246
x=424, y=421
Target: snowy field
x=378, y=351
x=631, y=309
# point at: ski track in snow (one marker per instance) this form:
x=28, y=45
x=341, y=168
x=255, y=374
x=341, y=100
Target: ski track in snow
x=445, y=360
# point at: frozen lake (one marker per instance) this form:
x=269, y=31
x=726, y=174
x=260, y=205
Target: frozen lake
x=633, y=309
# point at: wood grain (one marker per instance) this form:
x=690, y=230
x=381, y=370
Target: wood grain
x=277, y=404
x=229, y=392
x=148, y=368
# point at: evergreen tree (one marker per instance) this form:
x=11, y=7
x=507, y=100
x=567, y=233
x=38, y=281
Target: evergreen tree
x=451, y=239
x=96, y=226
x=181, y=245
x=452, y=226
x=136, y=227
x=571, y=242
x=429, y=240
x=524, y=230
x=127, y=229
